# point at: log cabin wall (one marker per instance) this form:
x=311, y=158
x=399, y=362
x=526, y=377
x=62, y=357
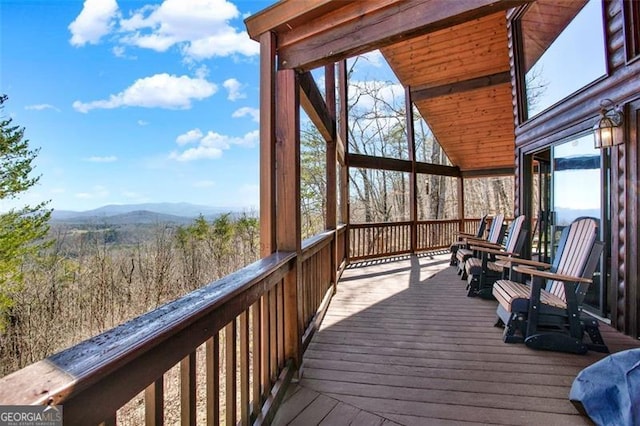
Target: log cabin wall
x=577, y=114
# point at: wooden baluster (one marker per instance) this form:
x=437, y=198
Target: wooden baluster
x=305, y=292
x=213, y=380
x=154, y=403
x=265, y=346
x=230, y=375
x=188, y=390
x=273, y=349
x=280, y=324
x=244, y=369
x=256, y=316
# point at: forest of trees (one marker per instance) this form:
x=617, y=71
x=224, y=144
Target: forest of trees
x=82, y=284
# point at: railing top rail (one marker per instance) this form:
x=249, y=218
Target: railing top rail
x=67, y=373
x=378, y=224
x=383, y=224
x=312, y=245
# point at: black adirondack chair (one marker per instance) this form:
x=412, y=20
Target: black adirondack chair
x=547, y=313
x=483, y=270
x=460, y=243
x=496, y=232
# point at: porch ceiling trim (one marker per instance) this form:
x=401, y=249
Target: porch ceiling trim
x=359, y=27
x=422, y=93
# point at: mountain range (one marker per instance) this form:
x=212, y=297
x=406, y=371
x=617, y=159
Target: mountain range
x=141, y=213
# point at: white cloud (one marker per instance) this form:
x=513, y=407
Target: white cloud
x=143, y=123
x=202, y=71
x=41, y=107
x=191, y=136
x=254, y=113
x=234, y=87
x=94, y=21
x=107, y=159
x=200, y=28
x=211, y=145
x=158, y=91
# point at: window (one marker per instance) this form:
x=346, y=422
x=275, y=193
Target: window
x=564, y=50
x=632, y=29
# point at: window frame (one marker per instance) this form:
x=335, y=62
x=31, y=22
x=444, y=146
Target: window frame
x=631, y=14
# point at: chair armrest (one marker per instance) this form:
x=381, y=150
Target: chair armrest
x=465, y=234
x=493, y=251
x=484, y=243
x=550, y=275
x=525, y=262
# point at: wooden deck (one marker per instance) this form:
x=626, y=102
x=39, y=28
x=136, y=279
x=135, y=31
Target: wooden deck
x=402, y=344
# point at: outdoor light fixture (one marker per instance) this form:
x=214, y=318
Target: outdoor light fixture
x=607, y=131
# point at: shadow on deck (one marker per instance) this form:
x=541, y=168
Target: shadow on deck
x=402, y=344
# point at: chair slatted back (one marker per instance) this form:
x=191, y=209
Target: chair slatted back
x=482, y=226
x=513, y=234
x=574, y=250
x=495, y=232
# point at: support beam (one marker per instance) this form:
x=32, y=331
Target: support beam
x=424, y=93
x=340, y=151
x=437, y=169
x=315, y=107
x=287, y=11
x=360, y=27
x=331, y=164
x=330, y=160
x=267, y=144
x=461, y=203
x=397, y=165
x=503, y=171
x=413, y=185
x=343, y=138
x=288, y=204
x=379, y=163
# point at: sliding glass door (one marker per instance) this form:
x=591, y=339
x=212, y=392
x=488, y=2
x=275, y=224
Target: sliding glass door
x=577, y=190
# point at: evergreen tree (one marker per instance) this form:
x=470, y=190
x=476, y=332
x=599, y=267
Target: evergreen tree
x=21, y=230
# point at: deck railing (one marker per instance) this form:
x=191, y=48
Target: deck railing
x=373, y=240
x=240, y=324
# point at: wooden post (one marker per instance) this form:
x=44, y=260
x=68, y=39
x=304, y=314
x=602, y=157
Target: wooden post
x=344, y=137
x=331, y=154
x=413, y=182
x=288, y=203
x=461, y=203
x=267, y=143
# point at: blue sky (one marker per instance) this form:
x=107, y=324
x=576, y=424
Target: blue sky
x=134, y=101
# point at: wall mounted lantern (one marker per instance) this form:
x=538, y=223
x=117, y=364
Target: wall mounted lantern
x=607, y=131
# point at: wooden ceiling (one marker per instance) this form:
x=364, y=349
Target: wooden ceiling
x=452, y=54
x=460, y=83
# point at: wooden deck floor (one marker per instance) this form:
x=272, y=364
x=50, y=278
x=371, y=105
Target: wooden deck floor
x=402, y=344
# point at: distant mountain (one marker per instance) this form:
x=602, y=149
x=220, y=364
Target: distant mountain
x=141, y=213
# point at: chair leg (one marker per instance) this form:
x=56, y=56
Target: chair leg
x=593, y=331
x=472, y=285
x=553, y=341
x=516, y=324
